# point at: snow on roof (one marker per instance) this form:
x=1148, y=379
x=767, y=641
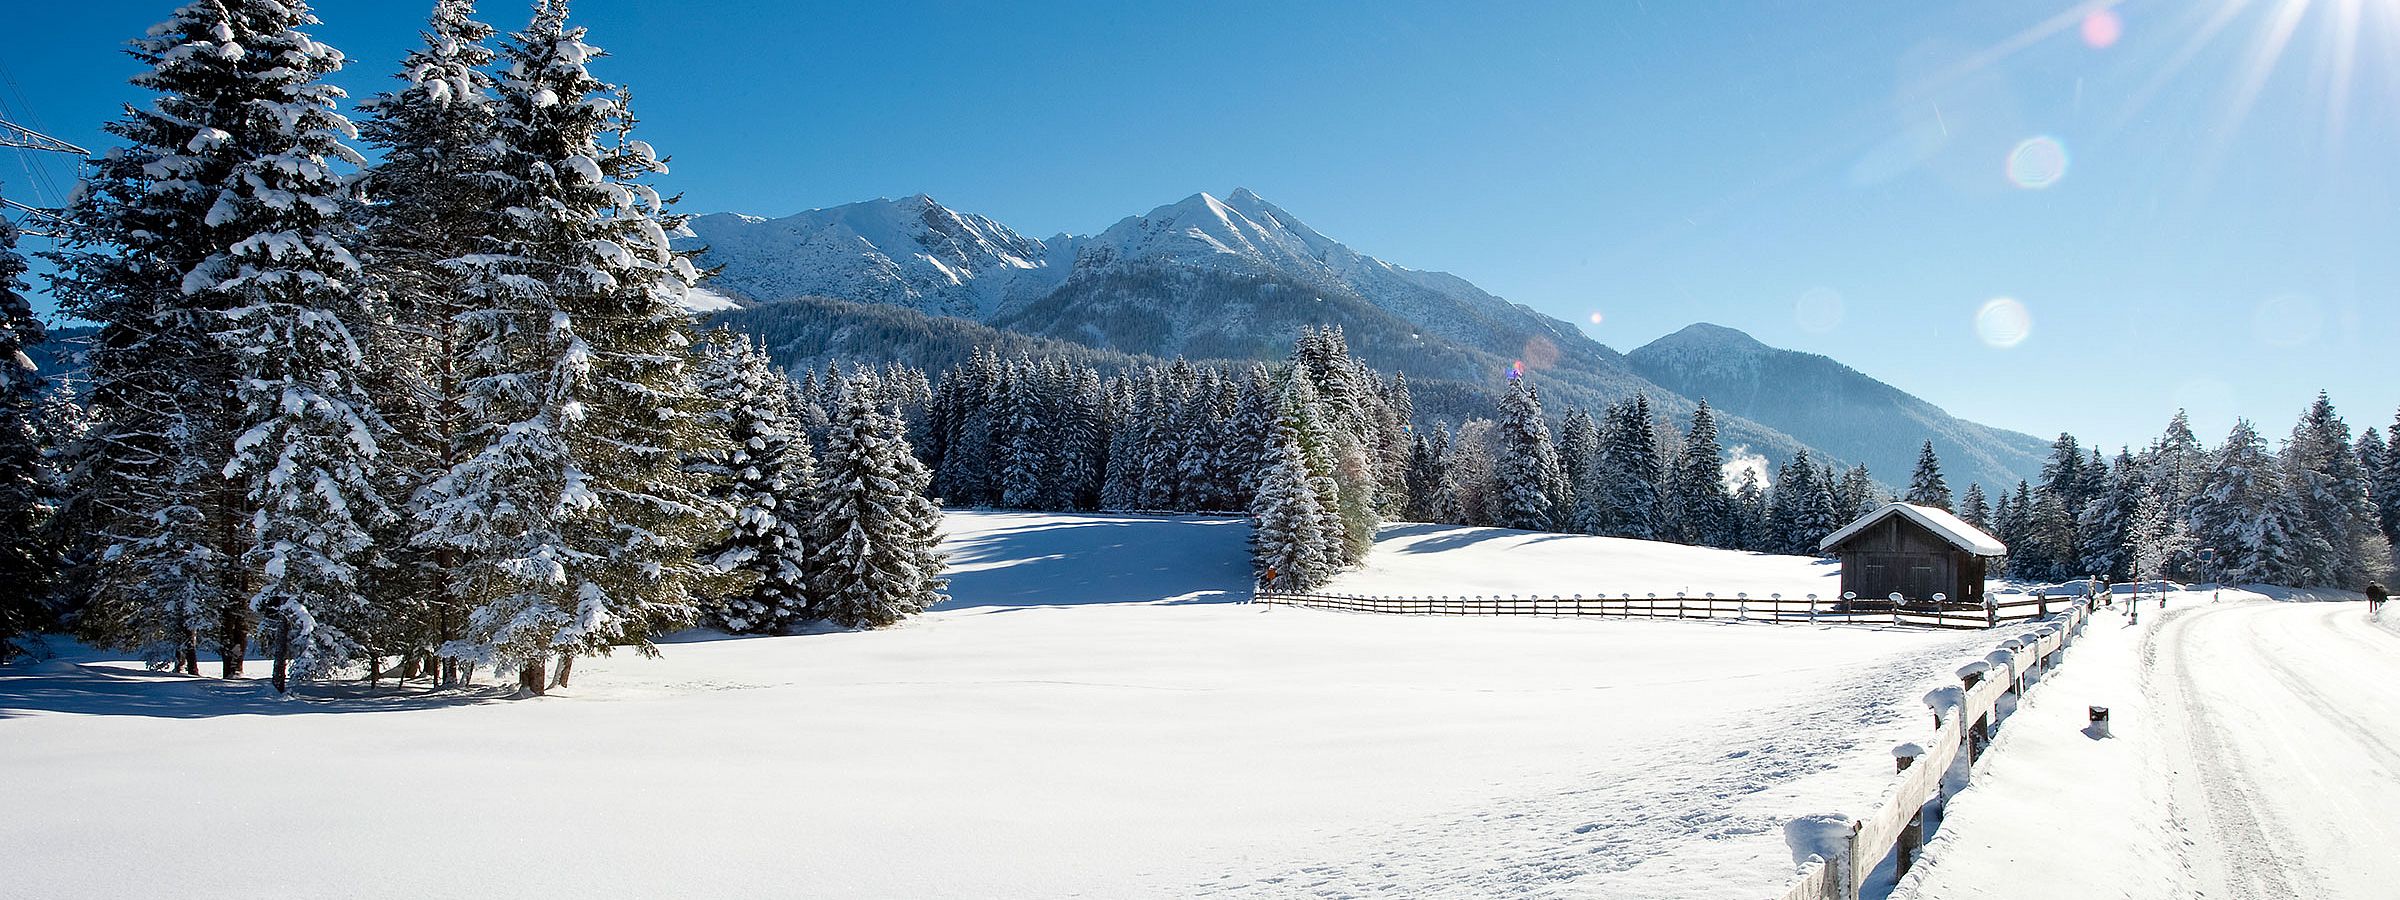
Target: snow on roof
x=1949, y=527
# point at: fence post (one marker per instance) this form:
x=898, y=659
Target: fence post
x=1678, y=606
x=1852, y=876
x=1896, y=601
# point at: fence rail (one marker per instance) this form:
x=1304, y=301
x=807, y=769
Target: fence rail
x=1738, y=606
x=1964, y=717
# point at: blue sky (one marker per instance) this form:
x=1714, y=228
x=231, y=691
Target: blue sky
x=2225, y=234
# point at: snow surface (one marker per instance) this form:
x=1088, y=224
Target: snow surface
x=2251, y=755
x=702, y=300
x=1422, y=559
x=1093, y=715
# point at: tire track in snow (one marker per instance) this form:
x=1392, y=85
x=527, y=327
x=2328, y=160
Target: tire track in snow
x=2237, y=846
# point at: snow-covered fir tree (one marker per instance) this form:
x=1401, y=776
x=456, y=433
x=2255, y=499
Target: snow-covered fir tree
x=220, y=201
x=28, y=563
x=2158, y=536
x=874, y=555
x=1623, y=497
x=1019, y=436
x=1974, y=509
x=573, y=519
x=1426, y=459
x=2105, y=528
x=1526, y=472
x=1752, y=513
x=2247, y=512
x=2386, y=485
x=1698, y=505
x=2321, y=467
x=293, y=304
x=1802, y=512
x=431, y=199
x=764, y=472
x=1287, y=536
x=1854, y=493
x=1578, y=452
x=1926, y=487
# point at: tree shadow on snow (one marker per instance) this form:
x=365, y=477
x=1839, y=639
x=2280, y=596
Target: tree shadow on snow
x=1456, y=537
x=93, y=689
x=1087, y=561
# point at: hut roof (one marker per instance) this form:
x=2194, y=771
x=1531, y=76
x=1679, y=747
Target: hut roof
x=1948, y=527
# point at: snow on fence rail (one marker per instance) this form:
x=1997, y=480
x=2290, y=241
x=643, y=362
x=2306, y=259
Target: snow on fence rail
x=1843, y=850
x=1740, y=606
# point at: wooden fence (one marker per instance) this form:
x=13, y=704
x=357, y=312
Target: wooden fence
x=1965, y=721
x=1808, y=608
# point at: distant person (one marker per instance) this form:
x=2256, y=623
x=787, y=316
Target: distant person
x=2375, y=596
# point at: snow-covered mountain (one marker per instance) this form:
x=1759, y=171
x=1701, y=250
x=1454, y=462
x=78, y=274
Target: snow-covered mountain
x=910, y=252
x=918, y=253
x=1834, y=408
x=1237, y=277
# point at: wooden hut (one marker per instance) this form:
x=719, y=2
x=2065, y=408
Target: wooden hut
x=1913, y=551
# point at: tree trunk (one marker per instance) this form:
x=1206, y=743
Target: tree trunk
x=283, y=656
x=233, y=642
x=566, y=668
x=534, y=678
x=187, y=656
x=449, y=672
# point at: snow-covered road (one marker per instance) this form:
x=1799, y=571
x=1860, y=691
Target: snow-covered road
x=2287, y=771
x=2256, y=755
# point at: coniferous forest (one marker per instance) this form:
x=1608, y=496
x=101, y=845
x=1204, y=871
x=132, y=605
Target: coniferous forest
x=445, y=410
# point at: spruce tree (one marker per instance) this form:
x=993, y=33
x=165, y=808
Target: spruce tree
x=1425, y=476
x=1624, y=500
x=1926, y=487
x=573, y=519
x=2332, y=488
x=2386, y=485
x=207, y=247
x=1752, y=513
x=1527, y=468
x=1021, y=436
x=1974, y=509
x=2105, y=529
x=764, y=473
x=1700, y=506
x=28, y=564
x=874, y=539
x=306, y=430
x=1854, y=494
x=1287, y=535
x=1121, y=478
x=2249, y=514
x=431, y=197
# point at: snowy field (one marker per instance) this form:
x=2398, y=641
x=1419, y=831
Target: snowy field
x=1420, y=559
x=2255, y=754
x=1096, y=714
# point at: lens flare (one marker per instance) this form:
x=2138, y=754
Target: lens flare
x=1516, y=370
x=1818, y=310
x=2003, y=323
x=2102, y=28
x=2037, y=162
x=1540, y=353
x=2289, y=320
x=1598, y=318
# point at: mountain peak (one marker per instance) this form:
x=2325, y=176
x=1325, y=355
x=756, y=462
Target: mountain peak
x=1710, y=337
